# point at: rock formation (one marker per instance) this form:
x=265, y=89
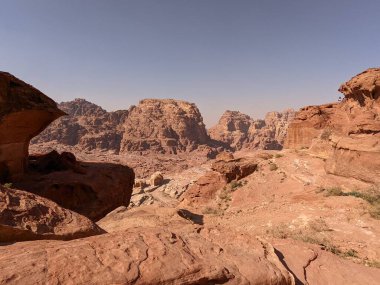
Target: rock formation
x=87, y=126
x=140, y=256
x=235, y=169
x=90, y=189
x=24, y=112
x=242, y=132
x=347, y=133
x=165, y=126
x=25, y=216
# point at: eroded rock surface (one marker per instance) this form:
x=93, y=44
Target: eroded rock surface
x=149, y=255
x=347, y=133
x=26, y=216
x=24, y=113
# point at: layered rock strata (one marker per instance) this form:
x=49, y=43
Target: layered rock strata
x=346, y=133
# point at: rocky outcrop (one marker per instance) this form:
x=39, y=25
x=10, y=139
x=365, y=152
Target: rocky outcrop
x=205, y=190
x=138, y=256
x=164, y=126
x=25, y=216
x=87, y=126
x=24, y=113
x=312, y=265
x=242, y=132
x=347, y=133
x=90, y=189
x=235, y=169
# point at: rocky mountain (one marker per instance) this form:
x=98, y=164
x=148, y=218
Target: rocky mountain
x=347, y=133
x=87, y=126
x=242, y=132
x=165, y=126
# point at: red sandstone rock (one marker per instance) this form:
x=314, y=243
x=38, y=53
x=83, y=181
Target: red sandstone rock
x=242, y=132
x=25, y=216
x=311, y=265
x=91, y=189
x=163, y=125
x=24, y=112
x=226, y=156
x=137, y=256
x=235, y=169
x=349, y=131
x=87, y=126
x=204, y=190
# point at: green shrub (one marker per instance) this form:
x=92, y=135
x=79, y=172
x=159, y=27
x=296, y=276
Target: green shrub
x=326, y=134
x=8, y=185
x=371, y=197
x=235, y=184
x=273, y=167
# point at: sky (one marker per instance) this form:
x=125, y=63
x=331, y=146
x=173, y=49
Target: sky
x=245, y=55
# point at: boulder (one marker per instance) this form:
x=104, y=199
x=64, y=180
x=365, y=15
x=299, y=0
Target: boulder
x=26, y=216
x=140, y=183
x=24, y=113
x=235, y=169
x=225, y=156
x=90, y=189
x=204, y=190
x=156, y=179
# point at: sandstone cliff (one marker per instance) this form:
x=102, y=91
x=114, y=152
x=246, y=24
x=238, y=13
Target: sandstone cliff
x=242, y=132
x=347, y=133
x=165, y=126
x=87, y=126
x=24, y=112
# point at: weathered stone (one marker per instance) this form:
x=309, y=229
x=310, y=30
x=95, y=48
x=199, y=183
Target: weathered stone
x=24, y=113
x=26, y=216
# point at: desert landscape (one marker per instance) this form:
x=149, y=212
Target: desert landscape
x=148, y=195
x=189, y=142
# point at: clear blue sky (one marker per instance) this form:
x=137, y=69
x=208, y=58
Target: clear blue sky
x=247, y=55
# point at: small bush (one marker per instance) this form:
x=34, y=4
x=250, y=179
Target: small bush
x=371, y=197
x=373, y=263
x=273, y=167
x=351, y=253
x=326, y=134
x=8, y=185
x=278, y=155
x=333, y=191
x=209, y=210
x=236, y=184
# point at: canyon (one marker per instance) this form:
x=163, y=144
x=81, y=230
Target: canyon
x=148, y=195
